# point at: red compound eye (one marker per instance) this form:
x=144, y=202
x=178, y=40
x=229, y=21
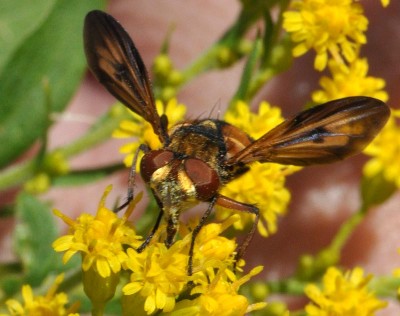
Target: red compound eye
x=204, y=178
x=153, y=161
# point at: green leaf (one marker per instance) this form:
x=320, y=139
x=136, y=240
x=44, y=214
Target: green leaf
x=35, y=232
x=18, y=21
x=248, y=72
x=375, y=190
x=86, y=176
x=44, y=70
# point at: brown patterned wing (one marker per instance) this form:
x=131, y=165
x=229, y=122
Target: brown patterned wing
x=322, y=134
x=115, y=62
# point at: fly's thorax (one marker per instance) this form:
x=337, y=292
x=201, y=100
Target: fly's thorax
x=212, y=141
x=178, y=182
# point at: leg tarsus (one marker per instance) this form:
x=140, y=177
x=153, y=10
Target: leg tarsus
x=196, y=231
x=151, y=235
x=243, y=207
x=131, y=179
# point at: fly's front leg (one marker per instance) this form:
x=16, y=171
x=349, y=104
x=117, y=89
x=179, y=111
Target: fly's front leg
x=155, y=227
x=131, y=186
x=132, y=175
x=242, y=207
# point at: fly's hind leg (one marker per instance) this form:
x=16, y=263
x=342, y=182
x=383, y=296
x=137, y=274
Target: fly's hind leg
x=196, y=231
x=242, y=207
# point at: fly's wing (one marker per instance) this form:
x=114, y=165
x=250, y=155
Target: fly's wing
x=322, y=134
x=115, y=62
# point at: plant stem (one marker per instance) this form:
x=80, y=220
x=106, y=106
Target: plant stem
x=101, y=131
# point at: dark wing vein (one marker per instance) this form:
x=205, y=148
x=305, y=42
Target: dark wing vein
x=115, y=62
x=323, y=134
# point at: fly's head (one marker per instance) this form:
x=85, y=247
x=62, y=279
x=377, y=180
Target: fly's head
x=178, y=182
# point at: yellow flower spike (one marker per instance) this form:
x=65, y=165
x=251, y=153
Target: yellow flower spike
x=56, y=163
x=348, y=81
x=175, y=78
x=100, y=239
x=168, y=92
x=247, y=277
x=385, y=152
x=40, y=183
x=330, y=27
x=214, y=290
x=212, y=251
x=342, y=294
x=142, y=130
x=159, y=274
x=131, y=303
x=162, y=66
x=52, y=303
x=254, y=124
x=264, y=184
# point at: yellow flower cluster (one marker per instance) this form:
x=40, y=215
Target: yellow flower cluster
x=264, y=184
x=51, y=304
x=385, y=152
x=143, y=132
x=333, y=28
x=326, y=26
x=349, y=80
x=158, y=275
x=100, y=239
x=342, y=294
x=213, y=292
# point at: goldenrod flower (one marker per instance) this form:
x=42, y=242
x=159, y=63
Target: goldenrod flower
x=218, y=295
x=143, y=131
x=334, y=27
x=100, y=238
x=158, y=275
x=342, y=294
x=254, y=124
x=348, y=81
x=52, y=304
x=385, y=152
x=264, y=184
x=385, y=3
x=211, y=249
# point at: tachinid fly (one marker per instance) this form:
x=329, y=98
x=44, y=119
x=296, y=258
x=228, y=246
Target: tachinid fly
x=199, y=157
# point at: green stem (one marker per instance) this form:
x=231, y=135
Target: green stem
x=203, y=63
x=276, y=54
x=231, y=38
x=345, y=232
x=101, y=131
x=385, y=286
x=98, y=311
x=292, y=286
x=17, y=174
